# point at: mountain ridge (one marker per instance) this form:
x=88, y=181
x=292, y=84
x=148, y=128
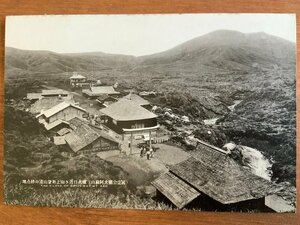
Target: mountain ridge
x=224, y=49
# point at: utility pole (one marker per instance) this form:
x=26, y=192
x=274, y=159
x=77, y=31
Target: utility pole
x=150, y=144
x=131, y=137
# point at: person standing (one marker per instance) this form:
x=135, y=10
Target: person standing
x=151, y=152
x=148, y=154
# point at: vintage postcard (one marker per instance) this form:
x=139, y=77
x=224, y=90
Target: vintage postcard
x=161, y=112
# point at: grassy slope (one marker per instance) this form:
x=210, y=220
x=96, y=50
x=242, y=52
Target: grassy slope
x=30, y=155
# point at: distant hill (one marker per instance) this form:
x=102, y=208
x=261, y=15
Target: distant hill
x=47, y=62
x=222, y=50
x=228, y=50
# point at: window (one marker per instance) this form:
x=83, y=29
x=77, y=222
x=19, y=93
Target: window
x=137, y=126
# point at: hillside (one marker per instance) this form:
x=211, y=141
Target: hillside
x=24, y=62
x=208, y=70
x=220, y=50
x=229, y=50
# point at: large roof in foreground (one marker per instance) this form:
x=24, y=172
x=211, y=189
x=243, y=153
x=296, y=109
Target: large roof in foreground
x=175, y=189
x=218, y=176
x=127, y=110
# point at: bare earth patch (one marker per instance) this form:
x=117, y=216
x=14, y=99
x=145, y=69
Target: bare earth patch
x=143, y=171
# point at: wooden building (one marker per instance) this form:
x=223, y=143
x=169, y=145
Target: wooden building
x=210, y=179
x=138, y=100
x=44, y=104
x=96, y=91
x=106, y=100
x=55, y=93
x=77, y=80
x=86, y=139
x=56, y=125
x=125, y=116
x=128, y=118
x=63, y=111
x=33, y=97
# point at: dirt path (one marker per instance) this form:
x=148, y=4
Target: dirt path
x=143, y=171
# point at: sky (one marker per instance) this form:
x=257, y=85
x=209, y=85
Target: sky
x=133, y=34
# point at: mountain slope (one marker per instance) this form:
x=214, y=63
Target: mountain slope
x=229, y=50
x=50, y=62
x=220, y=50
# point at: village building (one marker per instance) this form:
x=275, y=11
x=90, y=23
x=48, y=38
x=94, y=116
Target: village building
x=55, y=93
x=106, y=100
x=56, y=125
x=33, y=97
x=63, y=131
x=129, y=119
x=96, y=91
x=62, y=112
x=125, y=116
x=58, y=140
x=211, y=178
x=44, y=104
x=86, y=139
x=138, y=100
x=148, y=93
x=77, y=80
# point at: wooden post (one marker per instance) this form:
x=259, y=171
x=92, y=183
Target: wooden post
x=150, y=144
x=131, y=137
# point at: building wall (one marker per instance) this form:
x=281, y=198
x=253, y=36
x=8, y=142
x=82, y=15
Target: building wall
x=66, y=114
x=117, y=126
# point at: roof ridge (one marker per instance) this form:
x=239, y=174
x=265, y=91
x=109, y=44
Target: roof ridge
x=213, y=147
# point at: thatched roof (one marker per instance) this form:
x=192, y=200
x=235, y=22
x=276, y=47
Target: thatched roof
x=219, y=176
x=61, y=106
x=82, y=135
x=127, y=110
x=137, y=99
x=175, y=189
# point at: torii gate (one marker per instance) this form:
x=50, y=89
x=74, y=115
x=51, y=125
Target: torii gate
x=139, y=130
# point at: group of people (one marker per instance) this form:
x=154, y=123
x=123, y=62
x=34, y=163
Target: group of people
x=147, y=151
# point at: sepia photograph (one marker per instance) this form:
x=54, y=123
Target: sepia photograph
x=193, y=112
